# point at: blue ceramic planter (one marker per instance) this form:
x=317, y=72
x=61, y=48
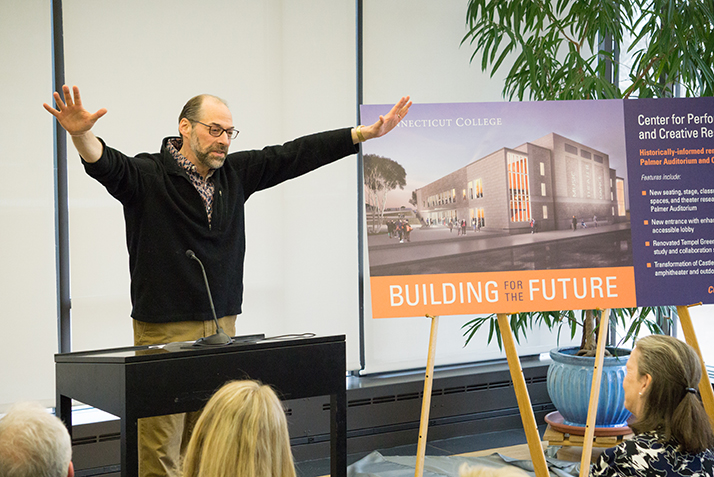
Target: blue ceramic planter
x=569, y=382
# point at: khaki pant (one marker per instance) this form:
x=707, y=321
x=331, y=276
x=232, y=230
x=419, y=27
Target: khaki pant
x=163, y=439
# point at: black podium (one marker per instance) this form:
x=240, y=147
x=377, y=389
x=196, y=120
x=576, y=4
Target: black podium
x=144, y=381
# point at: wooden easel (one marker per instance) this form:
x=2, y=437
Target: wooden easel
x=519, y=383
x=524, y=403
x=426, y=400
x=594, y=395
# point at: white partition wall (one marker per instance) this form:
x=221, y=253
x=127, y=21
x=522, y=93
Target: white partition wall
x=28, y=305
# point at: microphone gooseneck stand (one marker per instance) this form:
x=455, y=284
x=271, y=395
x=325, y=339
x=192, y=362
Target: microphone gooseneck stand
x=220, y=338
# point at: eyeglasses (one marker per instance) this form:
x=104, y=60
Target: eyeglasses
x=216, y=131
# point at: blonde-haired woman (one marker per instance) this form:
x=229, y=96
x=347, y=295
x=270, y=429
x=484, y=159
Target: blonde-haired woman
x=673, y=433
x=242, y=432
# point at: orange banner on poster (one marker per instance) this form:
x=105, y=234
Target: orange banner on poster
x=502, y=292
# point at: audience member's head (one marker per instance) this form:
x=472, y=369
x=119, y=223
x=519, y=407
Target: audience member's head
x=483, y=471
x=662, y=384
x=34, y=443
x=242, y=432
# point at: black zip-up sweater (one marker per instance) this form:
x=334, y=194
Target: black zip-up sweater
x=165, y=216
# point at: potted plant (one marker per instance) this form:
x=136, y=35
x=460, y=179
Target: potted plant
x=570, y=375
x=570, y=50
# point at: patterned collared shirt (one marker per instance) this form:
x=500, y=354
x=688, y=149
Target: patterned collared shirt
x=646, y=455
x=205, y=187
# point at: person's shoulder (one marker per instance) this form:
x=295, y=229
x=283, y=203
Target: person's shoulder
x=645, y=440
x=240, y=164
x=707, y=455
x=149, y=156
x=158, y=160
x=142, y=156
x=707, y=461
x=150, y=161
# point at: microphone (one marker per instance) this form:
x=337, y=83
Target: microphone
x=220, y=338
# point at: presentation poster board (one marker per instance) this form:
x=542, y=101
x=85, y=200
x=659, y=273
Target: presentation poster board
x=534, y=206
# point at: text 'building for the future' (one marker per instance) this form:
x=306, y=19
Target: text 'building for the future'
x=550, y=180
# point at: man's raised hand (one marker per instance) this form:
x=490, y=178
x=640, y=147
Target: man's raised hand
x=71, y=114
x=78, y=122
x=389, y=121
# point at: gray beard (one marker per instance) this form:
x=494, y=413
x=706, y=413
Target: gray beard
x=204, y=157
x=207, y=160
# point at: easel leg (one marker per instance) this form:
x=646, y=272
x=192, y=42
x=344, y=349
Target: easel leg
x=524, y=400
x=426, y=400
x=594, y=395
x=705, y=387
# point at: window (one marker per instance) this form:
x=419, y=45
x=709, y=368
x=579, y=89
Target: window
x=571, y=149
x=585, y=154
x=621, y=198
x=599, y=184
x=480, y=217
x=542, y=189
x=545, y=211
x=518, y=188
x=478, y=189
x=542, y=168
